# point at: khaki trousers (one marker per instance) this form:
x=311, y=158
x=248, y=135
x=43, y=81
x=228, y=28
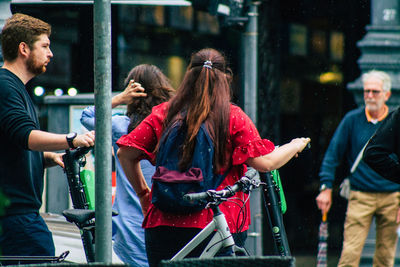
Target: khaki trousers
x=362, y=207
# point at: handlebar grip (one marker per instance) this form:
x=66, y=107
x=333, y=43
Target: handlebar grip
x=195, y=196
x=250, y=173
x=80, y=151
x=227, y=192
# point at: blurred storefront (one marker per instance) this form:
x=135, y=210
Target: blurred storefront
x=307, y=55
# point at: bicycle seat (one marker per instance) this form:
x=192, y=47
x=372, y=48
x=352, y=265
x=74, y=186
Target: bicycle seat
x=81, y=215
x=78, y=215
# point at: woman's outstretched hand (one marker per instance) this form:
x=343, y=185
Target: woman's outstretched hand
x=280, y=156
x=301, y=144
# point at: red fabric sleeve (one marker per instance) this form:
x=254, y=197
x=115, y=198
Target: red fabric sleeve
x=246, y=140
x=145, y=136
x=252, y=150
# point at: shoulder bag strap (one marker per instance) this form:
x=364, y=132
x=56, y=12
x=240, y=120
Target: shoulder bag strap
x=358, y=159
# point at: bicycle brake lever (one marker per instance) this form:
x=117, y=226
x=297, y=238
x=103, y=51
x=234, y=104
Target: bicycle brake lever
x=257, y=183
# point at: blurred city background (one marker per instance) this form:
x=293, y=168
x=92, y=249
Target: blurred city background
x=310, y=57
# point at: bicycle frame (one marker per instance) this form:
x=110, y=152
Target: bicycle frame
x=81, y=215
x=221, y=239
x=274, y=212
x=19, y=260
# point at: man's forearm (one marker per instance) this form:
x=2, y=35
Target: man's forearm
x=44, y=141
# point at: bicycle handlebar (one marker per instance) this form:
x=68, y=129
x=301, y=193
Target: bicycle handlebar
x=79, y=152
x=246, y=183
x=251, y=173
x=72, y=165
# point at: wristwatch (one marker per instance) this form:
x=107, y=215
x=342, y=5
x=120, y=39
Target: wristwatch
x=70, y=139
x=323, y=187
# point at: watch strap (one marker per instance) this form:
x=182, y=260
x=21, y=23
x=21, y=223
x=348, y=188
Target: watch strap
x=70, y=140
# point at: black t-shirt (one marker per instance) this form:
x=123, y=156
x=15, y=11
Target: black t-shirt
x=21, y=170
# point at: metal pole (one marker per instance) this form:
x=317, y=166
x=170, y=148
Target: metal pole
x=250, y=41
x=250, y=76
x=102, y=93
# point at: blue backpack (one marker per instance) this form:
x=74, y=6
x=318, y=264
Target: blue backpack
x=169, y=184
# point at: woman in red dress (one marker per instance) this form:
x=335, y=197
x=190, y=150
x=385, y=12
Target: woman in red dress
x=204, y=96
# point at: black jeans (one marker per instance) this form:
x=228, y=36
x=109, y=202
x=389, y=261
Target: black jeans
x=164, y=242
x=25, y=235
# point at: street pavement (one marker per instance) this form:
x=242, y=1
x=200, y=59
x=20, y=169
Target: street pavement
x=66, y=237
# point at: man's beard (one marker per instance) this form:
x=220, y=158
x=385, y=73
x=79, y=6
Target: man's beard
x=34, y=67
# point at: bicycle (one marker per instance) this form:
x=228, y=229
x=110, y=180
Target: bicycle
x=222, y=238
x=18, y=260
x=81, y=215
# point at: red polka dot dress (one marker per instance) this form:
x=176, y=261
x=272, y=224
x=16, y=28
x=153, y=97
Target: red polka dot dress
x=244, y=142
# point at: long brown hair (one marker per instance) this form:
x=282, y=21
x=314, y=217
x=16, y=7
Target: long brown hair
x=203, y=96
x=157, y=88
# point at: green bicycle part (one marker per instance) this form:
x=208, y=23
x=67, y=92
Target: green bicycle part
x=277, y=180
x=87, y=178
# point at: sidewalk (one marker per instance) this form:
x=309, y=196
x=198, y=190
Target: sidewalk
x=66, y=237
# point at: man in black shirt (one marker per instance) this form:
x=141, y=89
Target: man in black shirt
x=25, y=148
